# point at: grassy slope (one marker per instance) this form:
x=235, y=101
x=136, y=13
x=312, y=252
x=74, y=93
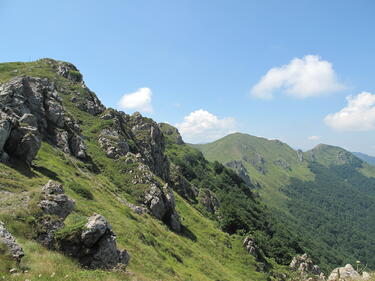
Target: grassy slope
x=312, y=192
x=236, y=146
x=199, y=253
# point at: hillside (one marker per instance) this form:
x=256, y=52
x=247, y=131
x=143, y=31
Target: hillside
x=325, y=194
x=65, y=157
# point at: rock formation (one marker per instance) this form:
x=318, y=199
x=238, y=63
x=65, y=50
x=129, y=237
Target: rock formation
x=31, y=111
x=304, y=265
x=240, y=169
x=347, y=273
x=8, y=240
x=158, y=199
x=94, y=245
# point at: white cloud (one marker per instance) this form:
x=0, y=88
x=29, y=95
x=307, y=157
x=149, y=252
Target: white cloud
x=139, y=100
x=358, y=115
x=314, y=138
x=301, y=78
x=202, y=126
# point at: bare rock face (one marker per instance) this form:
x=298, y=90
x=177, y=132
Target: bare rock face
x=240, y=170
x=208, y=200
x=31, y=111
x=7, y=239
x=344, y=273
x=304, y=265
x=151, y=142
x=158, y=199
x=113, y=143
x=251, y=246
x=95, y=245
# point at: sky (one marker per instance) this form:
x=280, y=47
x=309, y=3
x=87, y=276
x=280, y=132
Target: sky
x=301, y=71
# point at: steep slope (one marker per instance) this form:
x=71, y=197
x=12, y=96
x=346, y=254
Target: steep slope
x=54, y=128
x=325, y=194
x=270, y=163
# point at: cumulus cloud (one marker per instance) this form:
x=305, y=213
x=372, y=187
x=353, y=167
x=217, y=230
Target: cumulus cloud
x=314, y=138
x=202, y=126
x=358, y=115
x=301, y=78
x=138, y=101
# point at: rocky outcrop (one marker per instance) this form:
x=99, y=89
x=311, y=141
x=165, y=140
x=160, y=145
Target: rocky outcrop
x=55, y=202
x=151, y=143
x=57, y=206
x=257, y=161
x=282, y=163
x=31, y=111
x=136, y=134
x=8, y=240
x=347, y=273
x=208, y=200
x=300, y=155
x=240, y=170
x=251, y=247
x=157, y=198
x=113, y=143
x=181, y=185
x=305, y=266
x=94, y=245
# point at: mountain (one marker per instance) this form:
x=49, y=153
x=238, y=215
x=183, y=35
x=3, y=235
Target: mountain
x=92, y=193
x=326, y=195
x=367, y=158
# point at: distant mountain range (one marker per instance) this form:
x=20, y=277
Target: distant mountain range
x=367, y=158
x=326, y=194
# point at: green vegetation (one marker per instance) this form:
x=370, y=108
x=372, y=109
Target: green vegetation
x=240, y=212
x=326, y=199
x=201, y=252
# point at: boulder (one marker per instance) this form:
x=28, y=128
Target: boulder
x=8, y=240
x=55, y=202
x=95, y=245
x=344, y=273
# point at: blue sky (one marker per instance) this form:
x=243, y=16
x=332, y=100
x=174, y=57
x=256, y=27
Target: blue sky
x=195, y=63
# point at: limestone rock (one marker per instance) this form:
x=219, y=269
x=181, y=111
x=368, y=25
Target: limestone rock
x=113, y=143
x=344, y=273
x=151, y=143
x=95, y=228
x=55, y=202
x=240, y=170
x=251, y=246
x=304, y=265
x=7, y=239
x=31, y=110
x=95, y=246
